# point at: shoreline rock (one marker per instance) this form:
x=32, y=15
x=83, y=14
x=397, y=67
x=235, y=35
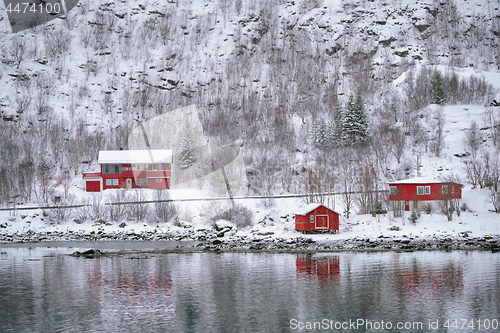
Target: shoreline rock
x=210, y=242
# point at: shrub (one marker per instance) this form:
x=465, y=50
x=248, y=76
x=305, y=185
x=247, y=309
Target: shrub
x=239, y=215
x=413, y=217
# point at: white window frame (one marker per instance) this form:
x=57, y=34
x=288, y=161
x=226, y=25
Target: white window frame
x=444, y=189
x=107, y=169
x=138, y=181
x=155, y=166
x=429, y=190
x=145, y=181
x=327, y=221
x=158, y=180
x=420, y=190
x=108, y=182
x=393, y=190
x=115, y=182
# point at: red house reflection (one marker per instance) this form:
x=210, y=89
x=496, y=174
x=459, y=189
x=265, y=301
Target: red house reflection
x=432, y=282
x=322, y=267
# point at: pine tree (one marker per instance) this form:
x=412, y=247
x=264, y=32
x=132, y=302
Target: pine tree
x=338, y=123
x=187, y=155
x=355, y=122
x=438, y=89
x=319, y=134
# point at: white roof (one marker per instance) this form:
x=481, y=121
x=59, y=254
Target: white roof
x=419, y=180
x=135, y=156
x=307, y=208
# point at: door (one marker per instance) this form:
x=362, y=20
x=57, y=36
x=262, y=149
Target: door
x=321, y=222
x=93, y=186
x=407, y=206
x=128, y=183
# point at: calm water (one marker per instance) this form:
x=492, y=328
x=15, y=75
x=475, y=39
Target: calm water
x=42, y=289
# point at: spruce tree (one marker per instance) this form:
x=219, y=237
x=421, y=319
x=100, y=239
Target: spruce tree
x=319, y=134
x=438, y=89
x=338, y=123
x=355, y=122
x=187, y=155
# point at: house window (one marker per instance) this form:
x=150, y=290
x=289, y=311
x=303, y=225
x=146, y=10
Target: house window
x=155, y=166
x=106, y=168
x=311, y=218
x=394, y=190
x=124, y=169
x=138, y=167
x=158, y=180
x=145, y=181
x=108, y=182
x=115, y=182
x=162, y=166
x=138, y=181
x=420, y=190
x=427, y=190
x=144, y=167
x=444, y=189
x=453, y=189
x=117, y=168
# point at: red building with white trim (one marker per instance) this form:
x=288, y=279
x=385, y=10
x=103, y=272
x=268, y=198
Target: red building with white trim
x=317, y=218
x=130, y=169
x=414, y=190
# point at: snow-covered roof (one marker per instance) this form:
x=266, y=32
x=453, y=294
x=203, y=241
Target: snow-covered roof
x=135, y=156
x=419, y=180
x=307, y=208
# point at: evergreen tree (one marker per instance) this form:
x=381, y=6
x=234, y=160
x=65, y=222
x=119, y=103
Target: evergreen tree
x=438, y=89
x=187, y=155
x=338, y=123
x=319, y=134
x=355, y=122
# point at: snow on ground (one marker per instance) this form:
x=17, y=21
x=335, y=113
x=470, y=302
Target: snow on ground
x=277, y=222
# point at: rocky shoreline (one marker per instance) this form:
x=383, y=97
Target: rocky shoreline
x=215, y=242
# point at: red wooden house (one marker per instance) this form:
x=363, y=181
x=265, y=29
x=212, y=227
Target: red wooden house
x=130, y=169
x=412, y=191
x=317, y=218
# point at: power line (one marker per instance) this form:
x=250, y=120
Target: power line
x=282, y=196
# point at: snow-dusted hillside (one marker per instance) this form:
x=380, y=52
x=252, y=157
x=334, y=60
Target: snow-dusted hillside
x=261, y=74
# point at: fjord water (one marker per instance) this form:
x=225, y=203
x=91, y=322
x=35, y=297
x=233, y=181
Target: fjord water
x=43, y=289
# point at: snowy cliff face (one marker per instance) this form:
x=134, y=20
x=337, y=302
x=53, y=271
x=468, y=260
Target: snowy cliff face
x=258, y=70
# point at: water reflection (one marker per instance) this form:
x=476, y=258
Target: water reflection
x=417, y=281
x=324, y=267
x=44, y=290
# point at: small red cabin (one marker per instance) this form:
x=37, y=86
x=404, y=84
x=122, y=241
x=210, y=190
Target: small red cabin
x=412, y=191
x=317, y=218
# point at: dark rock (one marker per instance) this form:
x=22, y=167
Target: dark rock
x=88, y=254
x=401, y=54
x=422, y=27
x=216, y=242
x=387, y=42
